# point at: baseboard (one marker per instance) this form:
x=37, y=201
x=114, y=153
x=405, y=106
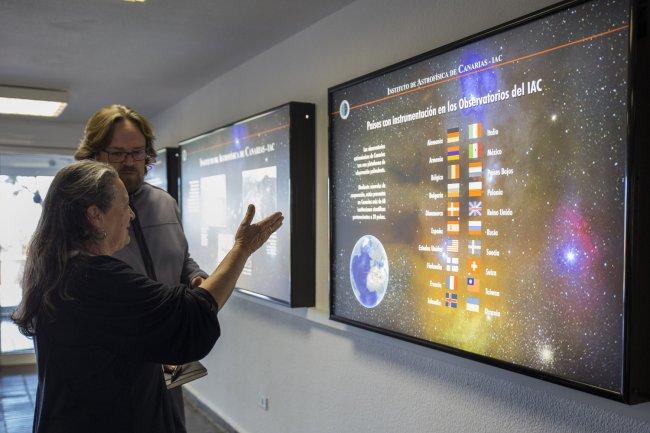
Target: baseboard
x=18, y=359
x=214, y=417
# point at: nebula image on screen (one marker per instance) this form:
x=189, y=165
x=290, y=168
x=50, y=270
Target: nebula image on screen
x=259, y=188
x=493, y=178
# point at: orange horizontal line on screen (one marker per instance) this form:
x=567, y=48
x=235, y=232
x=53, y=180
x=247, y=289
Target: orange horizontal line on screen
x=246, y=137
x=497, y=65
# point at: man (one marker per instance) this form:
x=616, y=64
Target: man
x=123, y=138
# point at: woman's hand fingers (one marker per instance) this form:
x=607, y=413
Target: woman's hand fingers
x=271, y=220
x=253, y=236
x=250, y=213
x=271, y=223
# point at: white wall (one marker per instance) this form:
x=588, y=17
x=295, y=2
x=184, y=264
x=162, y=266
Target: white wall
x=322, y=376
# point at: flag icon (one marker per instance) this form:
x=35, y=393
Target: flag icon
x=474, y=227
x=451, y=300
x=453, y=171
x=475, y=208
x=473, y=285
x=475, y=130
x=453, y=209
x=453, y=135
x=472, y=305
x=475, y=169
x=475, y=150
x=453, y=153
x=453, y=190
x=452, y=246
x=453, y=227
x=474, y=247
x=452, y=264
x=474, y=266
x=476, y=189
x=451, y=282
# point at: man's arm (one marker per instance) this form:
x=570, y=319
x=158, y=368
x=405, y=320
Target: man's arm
x=191, y=273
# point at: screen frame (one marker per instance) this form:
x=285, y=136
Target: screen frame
x=302, y=225
x=170, y=157
x=629, y=394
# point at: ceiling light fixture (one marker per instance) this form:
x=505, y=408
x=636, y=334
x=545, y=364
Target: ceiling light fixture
x=28, y=101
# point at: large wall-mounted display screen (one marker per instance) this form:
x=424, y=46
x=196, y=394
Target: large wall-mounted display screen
x=261, y=160
x=478, y=196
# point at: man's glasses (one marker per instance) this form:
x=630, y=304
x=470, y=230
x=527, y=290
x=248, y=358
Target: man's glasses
x=119, y=156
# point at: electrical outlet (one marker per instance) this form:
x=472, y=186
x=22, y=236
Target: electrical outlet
x=262, y=401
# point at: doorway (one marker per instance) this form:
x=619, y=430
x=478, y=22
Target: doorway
x=24, y=181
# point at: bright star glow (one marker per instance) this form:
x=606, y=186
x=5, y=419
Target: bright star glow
x=570, y=256
x=553, y=117
x=546, y=355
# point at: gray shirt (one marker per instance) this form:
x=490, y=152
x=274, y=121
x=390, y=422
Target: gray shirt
x=161, y=226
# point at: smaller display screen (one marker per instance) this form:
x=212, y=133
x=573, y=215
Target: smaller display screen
x=222, y=172
x=157, y=173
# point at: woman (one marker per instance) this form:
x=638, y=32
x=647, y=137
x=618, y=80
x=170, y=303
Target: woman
x=101, y=330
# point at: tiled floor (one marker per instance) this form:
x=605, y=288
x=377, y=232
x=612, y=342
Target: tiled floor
x=17, y=390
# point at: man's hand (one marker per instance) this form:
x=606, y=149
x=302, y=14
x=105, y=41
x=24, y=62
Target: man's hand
x=252, y=236
x=196, y=281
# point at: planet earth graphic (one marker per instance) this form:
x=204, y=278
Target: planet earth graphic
x=369, y=271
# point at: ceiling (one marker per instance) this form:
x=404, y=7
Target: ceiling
x=147, y=55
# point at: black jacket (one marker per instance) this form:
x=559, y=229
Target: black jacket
x=99, y=354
